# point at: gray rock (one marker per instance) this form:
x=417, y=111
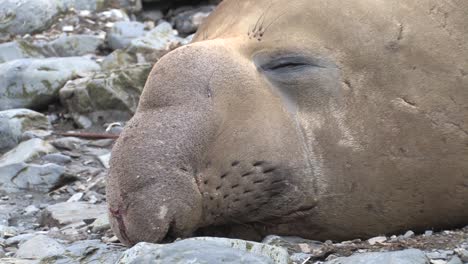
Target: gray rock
x=65, y=213
x=18, y=49
x=22, y=176
x=26, y=151
x=205, y=250
x=24, y=16
x=57, y=158
x=409, y=256
x=38, y=247
x=105, y=97
x=101, y=224
x=34, y=83
x=187, y=22
x=18, y=239
x=118, y=59
x=74, y=45
x=14, y=123
x=297, y=244
x=7, y=231
x=455, y=260
x=378, y=239
x=31, y=210
x=156, y=42
x=86, y=251
x=462, y=253
x=122, y=33
x=408, y=234
x=152, y=15
x=68, y=143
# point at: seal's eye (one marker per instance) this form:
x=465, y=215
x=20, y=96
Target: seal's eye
x=287, y=64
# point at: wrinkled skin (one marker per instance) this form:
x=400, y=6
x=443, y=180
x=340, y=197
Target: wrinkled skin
x=325, y=119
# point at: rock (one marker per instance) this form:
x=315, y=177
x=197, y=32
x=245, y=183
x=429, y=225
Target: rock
x=118, y=59
x=297, y=244
x=438, y=261
x=187, y=22
x=462, y=253
x=152, y=15
x=15, y=122
x=121, y=34
x=61, y=214
x=156, y=42
x=7, y=231
x=18, y=49
x=24, y=16
x=75, y=197
x=38, y=247
x=455, y=260
x=74, y=45
x=86, y=251
x=409, y=256
x=57, y=158
x=101, y=143
x=379, y=239
x=68, y=143
x=408, y=234
x=106, y=97
x=31, y=210
x=26, y=151
x=205, y=250
x=439, y=254
x=428, y=233
x=105, y=159
x=101, y=224
x=34, y=83
x=22, y=176
x=18, y=239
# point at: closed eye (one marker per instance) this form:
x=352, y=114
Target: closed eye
x=288, y=64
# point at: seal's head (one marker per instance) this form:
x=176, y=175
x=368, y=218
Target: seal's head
x=304, y=118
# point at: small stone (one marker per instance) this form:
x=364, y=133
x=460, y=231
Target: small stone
x=408, y=234
x=67, y=28
x=7, y=231
x=61, y=214
x=31, y=210
x=462, y=253
x=26, y=151
x=75, y=197
x=455, y=260
x=57, y=158
x=121, y=33
x=438, y=261
x=101, y=224
x=68, y=143
x=375, y=240
x=104, y=159
x=428, y=233
x=39, y=246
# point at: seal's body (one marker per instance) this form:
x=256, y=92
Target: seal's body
x=325, y=119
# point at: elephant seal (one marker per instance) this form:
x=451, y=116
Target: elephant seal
x=324, y=119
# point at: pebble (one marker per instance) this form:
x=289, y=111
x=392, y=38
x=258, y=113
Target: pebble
x=57, y=158
x=408, y=234
x=375, y=240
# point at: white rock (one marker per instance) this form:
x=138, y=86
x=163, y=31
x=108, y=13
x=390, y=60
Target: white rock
x=104, y=159
x=38, y=247
x=408, y=234
x=61, y=214
x=75, y=197
x=26, y=151
x=379, y=239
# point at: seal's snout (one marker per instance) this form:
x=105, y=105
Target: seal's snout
x=152, y=191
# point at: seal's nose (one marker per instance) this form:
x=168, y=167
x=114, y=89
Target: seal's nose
x=152, y=188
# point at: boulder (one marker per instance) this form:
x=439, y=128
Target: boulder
x=15, y=122
x=105, y=97
x=19, y=49
x=74, y=45
x=19, y=17
x=21, y=176
x=157, y=42
x=65, y=213
x=38, y=247
x=205, y=250
x=34, y=83
x=26, y=151
x=122, y=33
x=408, y=256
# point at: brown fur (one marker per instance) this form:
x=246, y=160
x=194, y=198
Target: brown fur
x=373, y=139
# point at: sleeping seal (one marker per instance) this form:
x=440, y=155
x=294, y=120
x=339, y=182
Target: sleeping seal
x=324, y=119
